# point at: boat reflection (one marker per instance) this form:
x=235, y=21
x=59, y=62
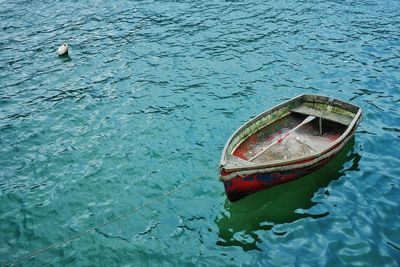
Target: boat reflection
x=240, y=220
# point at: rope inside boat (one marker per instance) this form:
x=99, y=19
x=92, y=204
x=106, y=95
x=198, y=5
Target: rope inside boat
x=68, y=240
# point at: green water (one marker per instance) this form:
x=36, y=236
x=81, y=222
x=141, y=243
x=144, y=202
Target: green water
x=144, y=103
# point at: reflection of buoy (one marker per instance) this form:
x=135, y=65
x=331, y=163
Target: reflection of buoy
x=63, y=49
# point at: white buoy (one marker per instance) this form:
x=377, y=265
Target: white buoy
x=63, y=49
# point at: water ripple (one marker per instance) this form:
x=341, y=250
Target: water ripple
x=146, y=100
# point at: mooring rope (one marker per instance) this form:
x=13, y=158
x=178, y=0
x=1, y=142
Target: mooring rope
x=68, y=240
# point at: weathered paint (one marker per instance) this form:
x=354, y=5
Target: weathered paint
x=328, y=108
x=253, y=129
x=244, y=179
x=258, y=125
x=242, y=186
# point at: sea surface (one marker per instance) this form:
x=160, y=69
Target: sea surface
x=144, y=103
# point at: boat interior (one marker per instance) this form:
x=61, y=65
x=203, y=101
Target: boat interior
x=284, y=139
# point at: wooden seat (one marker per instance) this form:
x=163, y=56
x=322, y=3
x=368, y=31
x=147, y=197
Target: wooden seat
x=324, y=114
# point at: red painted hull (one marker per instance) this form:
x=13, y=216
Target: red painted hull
x=241, y=186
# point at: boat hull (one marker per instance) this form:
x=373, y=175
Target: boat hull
x=242, y=169
x=241, y=186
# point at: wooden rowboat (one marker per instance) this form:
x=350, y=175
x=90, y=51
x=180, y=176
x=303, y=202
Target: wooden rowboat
x=288, y=141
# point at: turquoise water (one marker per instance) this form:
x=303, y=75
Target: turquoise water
x=145, y=102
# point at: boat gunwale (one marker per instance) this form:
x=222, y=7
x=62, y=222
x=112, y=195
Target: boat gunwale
x=289, y=167
x=256, y=166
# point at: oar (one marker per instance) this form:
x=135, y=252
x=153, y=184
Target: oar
x=306, y=120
